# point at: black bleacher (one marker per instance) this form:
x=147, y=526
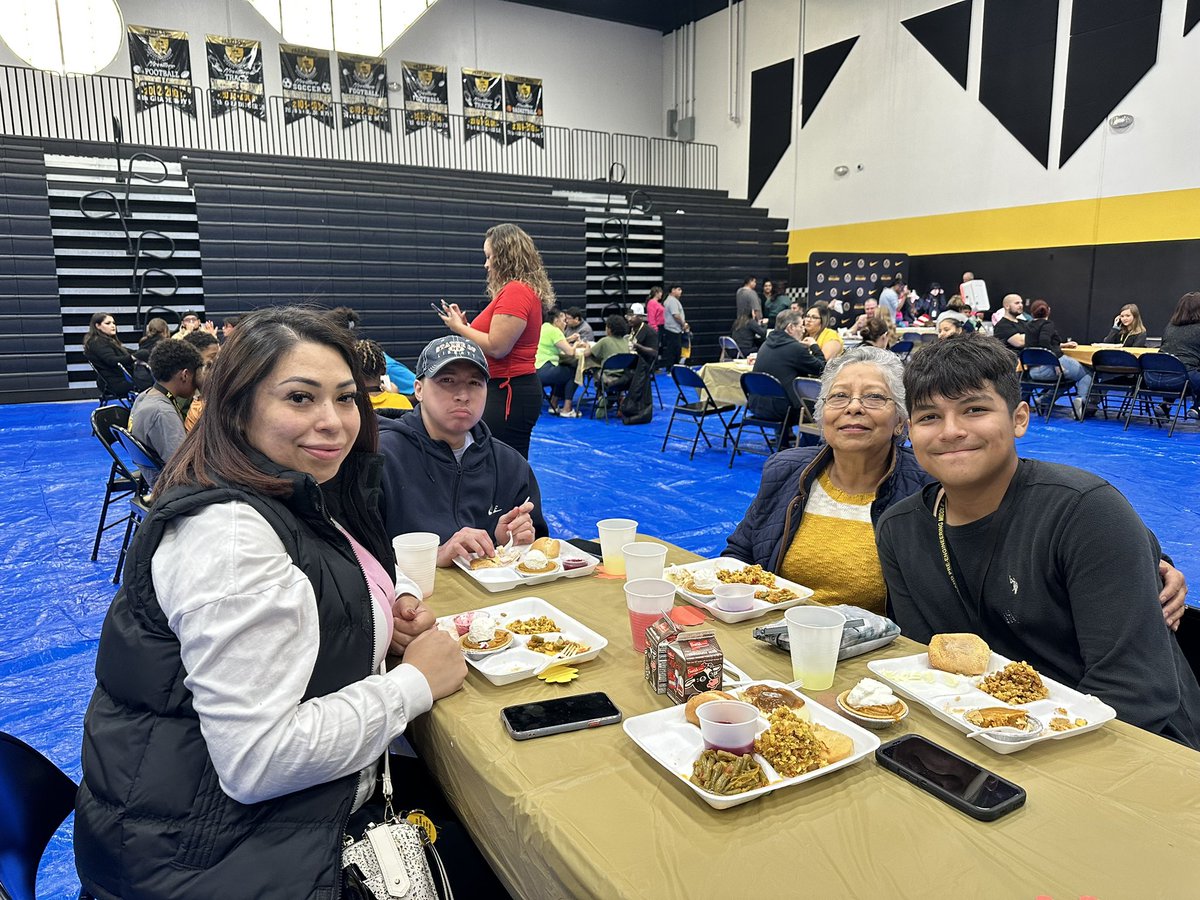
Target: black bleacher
x=33, y=363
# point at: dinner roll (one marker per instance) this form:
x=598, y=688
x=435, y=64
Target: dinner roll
x=963, y=654
x=549, y=546
x=699, y=700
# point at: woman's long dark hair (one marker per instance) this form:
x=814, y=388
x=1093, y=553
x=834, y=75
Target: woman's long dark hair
x=216, y=450
x=1187, y=310
x=95, y=334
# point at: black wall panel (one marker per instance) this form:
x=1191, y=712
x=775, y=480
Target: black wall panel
x=820, y=68
x=946, y=34
x=770, y=121
x=1112, y=46
x=1016, y=77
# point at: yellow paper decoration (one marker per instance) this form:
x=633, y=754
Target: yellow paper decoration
x=558, y=674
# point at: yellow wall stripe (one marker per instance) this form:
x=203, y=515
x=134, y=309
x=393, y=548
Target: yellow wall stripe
x=1131, y=219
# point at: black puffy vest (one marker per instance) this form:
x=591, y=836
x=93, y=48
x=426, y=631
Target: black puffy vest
x=151, y=818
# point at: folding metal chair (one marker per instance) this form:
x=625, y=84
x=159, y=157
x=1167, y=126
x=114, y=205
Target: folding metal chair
x=902, y=349
x=612, y=366
x=697, y=410
x=729, y=348
x=761, y=386
x=145, y=465
x=121, y=482
x=1163, y=381
x=37, y=797
x=1034, y=389
x=1117, y=372
x=807, y=390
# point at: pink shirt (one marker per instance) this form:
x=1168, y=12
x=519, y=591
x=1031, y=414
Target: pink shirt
x=655, y=314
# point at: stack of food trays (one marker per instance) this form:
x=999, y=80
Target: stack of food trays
x=694, y=583
x=509, y=569
x=1063, y=713
x=675, y=744
x=527, y=620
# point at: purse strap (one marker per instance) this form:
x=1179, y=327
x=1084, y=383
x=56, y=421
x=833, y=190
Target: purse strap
x=390, y=816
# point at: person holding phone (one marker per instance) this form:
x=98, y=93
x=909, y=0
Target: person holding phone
x=235, y=732
x=1128, y=329
x=508, y=330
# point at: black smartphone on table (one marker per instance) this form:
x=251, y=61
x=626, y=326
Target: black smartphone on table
x=965, y=785
x=559, y=714
x=590, y=547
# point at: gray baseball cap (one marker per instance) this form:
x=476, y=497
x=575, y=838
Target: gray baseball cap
x=442, y=351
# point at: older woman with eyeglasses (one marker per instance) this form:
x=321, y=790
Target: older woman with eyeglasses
x=813, y=519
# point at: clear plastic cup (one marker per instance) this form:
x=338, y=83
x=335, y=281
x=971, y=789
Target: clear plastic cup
x=615, y=534
x=647, y=599
x=728, y=725
x=734, y=597
x=815, y=634
x=416, y=558
x=644, y=560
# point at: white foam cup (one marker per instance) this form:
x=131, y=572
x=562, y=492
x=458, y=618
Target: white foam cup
x=416, y=558
x=734, y=597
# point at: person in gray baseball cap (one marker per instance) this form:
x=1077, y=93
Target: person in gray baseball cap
x=444, y=471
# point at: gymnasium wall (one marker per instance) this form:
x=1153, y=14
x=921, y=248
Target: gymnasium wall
x=999, y=159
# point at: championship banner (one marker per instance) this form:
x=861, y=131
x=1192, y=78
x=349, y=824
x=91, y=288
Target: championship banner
x=364, y=91
x=307, y=90
x=483, y=104
x=426, y=98
x=523, y=110
x=235, y=76
x=162, y=69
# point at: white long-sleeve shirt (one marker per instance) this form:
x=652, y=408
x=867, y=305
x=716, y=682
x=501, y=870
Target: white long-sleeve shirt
x=246, y=620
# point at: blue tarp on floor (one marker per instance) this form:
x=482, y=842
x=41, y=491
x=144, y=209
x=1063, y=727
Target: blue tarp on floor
x=53, y=599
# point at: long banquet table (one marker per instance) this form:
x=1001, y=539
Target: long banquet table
x=1085, y=352
x=1112, y=813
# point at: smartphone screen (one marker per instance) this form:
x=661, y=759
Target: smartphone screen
x=559, y=714
x=946, y=775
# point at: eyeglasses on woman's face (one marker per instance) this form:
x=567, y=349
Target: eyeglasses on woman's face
x=812, y=318
x=841, y=400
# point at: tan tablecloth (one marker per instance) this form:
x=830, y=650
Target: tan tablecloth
x=724, y=380
x=1112, y=814
x=1084, y=352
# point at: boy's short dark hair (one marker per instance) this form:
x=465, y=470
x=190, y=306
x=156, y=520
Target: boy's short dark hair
x=170, y=357
x=199, y=339
x=959, y=365
x=576, y=313
x=617, y=325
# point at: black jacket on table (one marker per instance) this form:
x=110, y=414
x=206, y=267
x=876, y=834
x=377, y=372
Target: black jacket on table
x=787, y=359
x=1071, y=586
x=151, y=819
x=426, y=489
x=1130, y=340
x=771, y=522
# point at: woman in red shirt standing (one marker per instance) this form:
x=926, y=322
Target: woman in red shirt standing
x=508, y=331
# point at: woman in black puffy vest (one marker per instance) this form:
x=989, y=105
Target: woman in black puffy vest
x=238, y=718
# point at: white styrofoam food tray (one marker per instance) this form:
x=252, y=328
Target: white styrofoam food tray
x=949, y=696
x=517, y=662
x=507, y=578
x=674, y=743
x=708, y=603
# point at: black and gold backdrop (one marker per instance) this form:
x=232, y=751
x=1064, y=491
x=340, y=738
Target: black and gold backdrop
x=523, y=110
x=162, y=69
x=849, y=279
x=307, y=90
x=235, y=75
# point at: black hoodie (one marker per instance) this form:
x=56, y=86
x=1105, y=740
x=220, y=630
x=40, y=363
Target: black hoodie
x=786, y=358
x=426, y=489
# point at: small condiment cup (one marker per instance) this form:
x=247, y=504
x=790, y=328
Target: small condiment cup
x=729, y=725
x=734, y=597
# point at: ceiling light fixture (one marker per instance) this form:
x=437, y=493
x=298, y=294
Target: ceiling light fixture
x=366, y=27
x=69, y=37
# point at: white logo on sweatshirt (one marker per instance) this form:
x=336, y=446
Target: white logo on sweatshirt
x=1013, y=582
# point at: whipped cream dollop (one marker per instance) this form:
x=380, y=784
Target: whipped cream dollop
x=535, y=559
x=705, y=578
x=870, y=692
x=482, y=630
